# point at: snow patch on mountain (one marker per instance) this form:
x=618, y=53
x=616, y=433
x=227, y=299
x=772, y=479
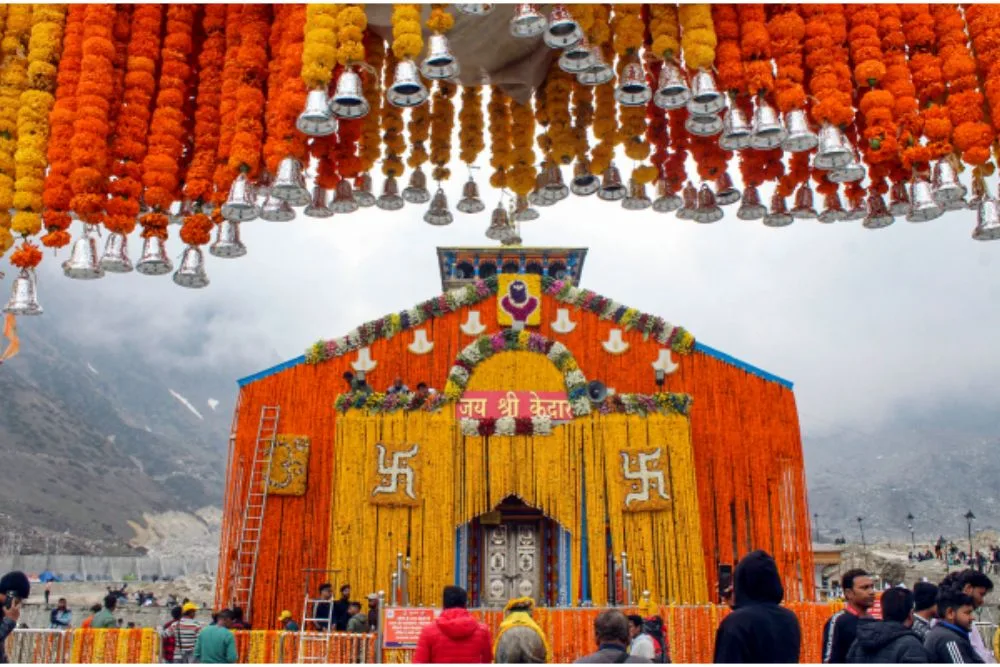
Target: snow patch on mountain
x=92, y=369
x=186, y=403
x=212, y=403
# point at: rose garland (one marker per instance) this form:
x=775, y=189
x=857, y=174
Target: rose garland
x=33, y=118
x=521, y=177
x=13, y=82
x=501, y=133
x=407, y=39
x=197, y=227
x=826, y=59
x=392, y=129
x=442, y=128
x=728, y=57
x=370, y=148
x=128, y=148
x=470, y=121
x=697, y=36
x=223, y=175
x=319, y=49
x=970, y=134
x=755, y=47
x=57, y=193
x=245, y=151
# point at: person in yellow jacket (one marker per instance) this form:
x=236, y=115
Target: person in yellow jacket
x=520, y=639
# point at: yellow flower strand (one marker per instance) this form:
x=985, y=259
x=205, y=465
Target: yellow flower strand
x=698, y=39
x=627, y=28
x=13, y=82
x=351, y=24
x=392, y=129
x=440, y=21
x=407, y=39
x=583, y=117
x=370, y=146
x=605, y=123
x=442, y=128
x=418, y=128
x=561, y=135
x=665, y=31
x=522, y=172
x=319, y=48
x=500, y=136
x=33, y=117
x=470, y=120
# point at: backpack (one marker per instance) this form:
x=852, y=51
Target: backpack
x=654, y=628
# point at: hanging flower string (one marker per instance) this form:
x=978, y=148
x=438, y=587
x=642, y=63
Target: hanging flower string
x=13, y=83
x=501, y=134
x=370, y=148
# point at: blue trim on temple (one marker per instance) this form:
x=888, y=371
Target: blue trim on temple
x=753, y=370
x=273, y=370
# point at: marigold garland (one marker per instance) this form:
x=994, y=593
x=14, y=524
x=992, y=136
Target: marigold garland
x=13, y=82
x=442, y=128
x=351, y=25
x=728, y=58
x=898, y=81
x=627, y=29
x=471, y=125
x=440, y=21
x=418, y=128
x=245, y=151
x=501, y=134
x=392, y=129
x=319, y=50
x=876, y=105
x=521, y=178
x=697, y=36
x=928, y=80
x=786, y=30
x=755, y=47
x=407, y=39
x=224, y=175
x=826, y=59
x=370, y=146
x=561, y=134
x=583, y=117
x=605, y=124
x=673, y=169
x=665, y=31
x=971, y=136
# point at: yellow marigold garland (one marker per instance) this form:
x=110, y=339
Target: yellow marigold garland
x=392, y=129
x=418, y=128
x=13, y=82
x=501, y=134
x=440, y=21
x=561, y=135
x=627, y=29
x=370, y=146
x=522, y=172
x=583, y=117
x=351, y=24
x=605, y=124
x=407, y=40
x=470, y=121
x=698, y=36
x=319, y=50
x=665, y=30
x=442, y=128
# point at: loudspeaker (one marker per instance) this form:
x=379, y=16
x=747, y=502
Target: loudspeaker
x=596, y=391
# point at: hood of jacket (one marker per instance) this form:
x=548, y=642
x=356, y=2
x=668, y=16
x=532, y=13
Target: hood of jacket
x=457, y=623
x=757, y=581
x=874, y=635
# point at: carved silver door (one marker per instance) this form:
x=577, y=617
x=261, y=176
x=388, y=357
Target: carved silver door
x=512, y=563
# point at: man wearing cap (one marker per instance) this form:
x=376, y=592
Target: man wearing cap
x=186, y=633
x=287, y=623
x=16, y=584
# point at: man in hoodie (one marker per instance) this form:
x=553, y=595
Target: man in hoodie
x=948, y=641
x=841, y=630
x=455, y=636
x=977, y=586
x=15, y=585
x=924, y=607
x=889, y=641
x=759, y=629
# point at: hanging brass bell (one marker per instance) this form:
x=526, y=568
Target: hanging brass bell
x=803, y=208
x=899, y=199
x=577, y=58
x=348, y=100
x=833, y=152
x=527, y=22
x=562, y=30
x=555, y=188
x=584, y=183
x=798, y=137
x=947, y=187
x=612, y=188
x=470, y=201
x=736, y=130
x=708, y=210
x=987, y=220
x=289, y=185
x=637, y=199
x=852, y=172
x=750, y=206
x=115, y=258
x=390, y=200
x=154, y=260
x=276, y=210
x=778, y=216
x=666, y=201
x=83, y=261
x=703, y=126
x=191, y=272
x=316, y=119
x=523, y=212
x=475, y=10
x=440, y=62
x=857, y=207
x=706, y=100
x=726, y=193
x=833, y=209
x=24, y=295
x=416, y=192
x=407, y=90
x=363, y=190
x=599, y=73
x=438, y=213
x=979, y=191
x=878, y=215
x=242, y=202
x=923, y=208
x=499, y=223
x=633, y=90
x=767, y=130
x=318, y=207
x=227, y=243
x=343, y=198
x=689, y=202
x=672, y=90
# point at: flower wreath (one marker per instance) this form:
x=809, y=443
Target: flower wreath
x=541, y=425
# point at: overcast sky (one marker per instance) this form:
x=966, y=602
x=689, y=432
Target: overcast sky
x=863, y=322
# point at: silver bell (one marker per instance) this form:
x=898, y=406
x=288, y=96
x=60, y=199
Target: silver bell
x=555, y=188
x=705, y=96
x=499, y=223
x=440, y=62
x=343, y=198
x=599, y=73
x=899, y=199
x=852, y=172
x=318, y=207
x=778, y=216
x=584, y=183
x=736, y=130
x=637, y=199
x=750, y=206
x=946, y=188
x=987, y=221
x=316, y=119
x=475, y=10
x=562, y=31
x=725, y=192
x=390, y=200
x=689, y=202
x=857, y=210
x=363, y=190
x=276, y=210
x=577, y=58
x=666, y=201
x=242, y=203
x=191, y=272
x=154, y=260
x=438, y=213
x=612, y=188
x=262, y=189
x=878, y=215
x=540, y=196
x=23, y=295
x=703, y=126
x=803, y=209
x=416, y=192
x=708, y=210
x=348, y=100
x=767, y=131
x=470, y=201
x=227, y=243
x=83, y=263
x=115, y=258
x=798, y=137
x=407, y=90
x=672, y=91
x=289, y=184
x=979, y=191
x=523, y=212
x=633, y=90
x=833, y=152
x=527, y=22
x=923, y=208
x=833, y=209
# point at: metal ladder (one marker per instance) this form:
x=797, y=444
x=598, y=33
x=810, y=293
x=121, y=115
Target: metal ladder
x=314, y=644
x=253, y=511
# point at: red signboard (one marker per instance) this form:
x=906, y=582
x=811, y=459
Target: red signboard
x=496, y=404
x=403, y=625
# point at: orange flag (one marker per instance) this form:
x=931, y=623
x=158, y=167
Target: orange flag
x=10, y=333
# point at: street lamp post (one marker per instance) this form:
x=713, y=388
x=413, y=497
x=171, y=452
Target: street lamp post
x=816, y=524
x=969, y=518
x=864, y=545
x=909, y=523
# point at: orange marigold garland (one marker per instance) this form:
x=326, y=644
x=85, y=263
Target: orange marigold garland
x=522, y=171
x=370, y=148
x=755, y=47
x=224, y=175
x=787, y=30
x=293, y=91
x=418, y=128
x=826, y=60
x=501, y=135
x=673, y=169
x=728, y=58
x=984, y=31
x=197, y=227
x=57, y=193
x=246, y=149
x=13, y=82
x=627, y=28
x=471, y=125
x=128, y=148
x=583, y=118
x=561, y=134
x=605, y=123
x=442, y=128
x=928, y=80
x=392, y=129
x=898, y=81
x=656, y=128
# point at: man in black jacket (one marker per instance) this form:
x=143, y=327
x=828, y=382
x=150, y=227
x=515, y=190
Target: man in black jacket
x=948, y=641
x=758, y=629
x=15, y=585
x=841, y=630
x=889, y=641
x=924, y=607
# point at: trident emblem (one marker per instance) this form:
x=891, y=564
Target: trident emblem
x=398, y=469
x=647, y=478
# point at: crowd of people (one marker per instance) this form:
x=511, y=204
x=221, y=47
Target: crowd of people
x=954, y=556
